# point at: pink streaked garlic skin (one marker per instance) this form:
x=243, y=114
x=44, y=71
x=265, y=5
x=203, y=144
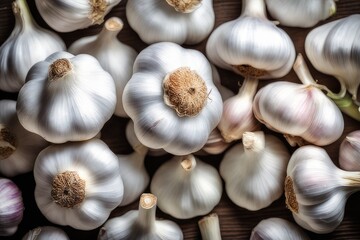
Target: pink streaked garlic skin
x=349, y=152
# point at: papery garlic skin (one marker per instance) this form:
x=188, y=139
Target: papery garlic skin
x=28, y=44
x=46, y=233
x=175, y=117
x=251, y=45
x=333, y=49
x=140, y=224
x=254, y=170
x=11, y=207
x=277, y=228
x=18, y=147
x=300, y=13
x=157, y=21
x=71, y=15
x=186, y=187
x=114, y=56
x=66, y=98
x=316, y=190
x=349, y=152
x=78, y=183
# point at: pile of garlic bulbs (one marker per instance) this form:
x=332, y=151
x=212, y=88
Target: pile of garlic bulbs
x=179, y=119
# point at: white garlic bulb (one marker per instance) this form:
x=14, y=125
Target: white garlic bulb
x=333, y=49
x=316, y=190
x=115, y=57
x=11, y=207
x=71, y=15
x=27, y=44
x=141, y=224
x=301, y=13
x=78, y=183
x=177, y=21
x=134, y=175
x=237, y=116
x=225, y=92
x=277, y=228
x=349, y=152
x=302, y=112
x=172, y=99
x=210, y=227
x=254, y=170
x=186, y=187
x=18, y=147
x=239, y=45
x=66, y=98
x=46, y=233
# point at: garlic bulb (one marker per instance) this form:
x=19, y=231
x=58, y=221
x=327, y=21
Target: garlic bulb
x=71, y=15
x=115, y=57
x=27, y=44
x=277, y=228
x=78, y=183
x=316, y=190
x=301, y=13
x=224, y=92
x=210, y=227
x=186, y=187
x=140, y=224
x=349, y=152
x=300, y=111
x=18, y=147
x=11, y=207
x=46, y=233
x=254, y=170
x=172, y=99
x=237, y=116
x=239, y=45
x=66, y=98
x=333, y=49
x=134, y=175
x=177, y=21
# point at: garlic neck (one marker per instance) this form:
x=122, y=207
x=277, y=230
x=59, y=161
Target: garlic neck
x=351, y=179
x=188, y=163
x=59, y=69
x=147, y=211
x=254, y=142
x=111, y=29
x=254, y=8
x=98, y=10
x=290, y=196
x=248, y=88
x=185, y=91
x=22, y=14
x=7, y=142
x=184, y=6
x=302, y=71
x=68, y=189
x=210, y=227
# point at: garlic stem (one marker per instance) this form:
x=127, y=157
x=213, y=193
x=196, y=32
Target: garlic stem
x=255, y=8
x=188, y=162
x=249, y=87
x=22, y=13
x=253, y=142
x=347, y=106
x=147, y=211
x=210, y=227
x=111, y=29
x=350, y=179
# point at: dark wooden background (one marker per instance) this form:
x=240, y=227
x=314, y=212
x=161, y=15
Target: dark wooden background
x=235, y=222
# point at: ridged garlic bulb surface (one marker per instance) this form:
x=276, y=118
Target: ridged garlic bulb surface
x=114, y=56
x=239, y=45
x=176, y=21
x=300, y=13
x=46, y=233
x=71, y=15
x=172, y=99
x=28, y=44
x=66, y=98
x=349, y=152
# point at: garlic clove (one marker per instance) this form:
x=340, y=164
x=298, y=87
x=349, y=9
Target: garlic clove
x=45, y=233
x=215, y=144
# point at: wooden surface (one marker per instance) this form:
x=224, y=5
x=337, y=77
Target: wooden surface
x=235, y=222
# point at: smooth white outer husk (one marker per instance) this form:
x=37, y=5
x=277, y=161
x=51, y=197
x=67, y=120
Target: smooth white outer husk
x=28, y=144
x=255, y=178
x=300, y=13
x=69, y=15
x=114, y=56
x=242, y=42
x=277, y=228
x=156, y=124
x=349, y=152
x=46, y=233
x=156, y=21
x=97, y=165
x=186, y=193
x=28, y=44
x=333, y=48
x=73, y=108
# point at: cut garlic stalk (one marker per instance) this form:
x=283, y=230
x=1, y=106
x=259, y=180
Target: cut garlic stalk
x=210, y=227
